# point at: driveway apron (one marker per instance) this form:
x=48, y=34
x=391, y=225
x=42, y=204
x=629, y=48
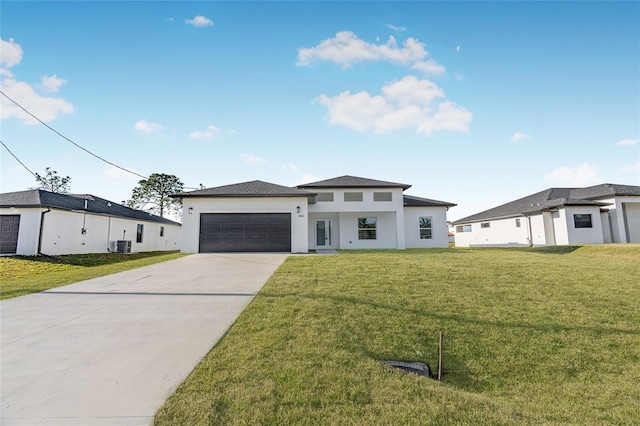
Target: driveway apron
x=110, y=350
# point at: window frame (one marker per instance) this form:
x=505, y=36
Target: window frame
x=328, y=195
x=162, y=231
x=485, y=225
x=425, y=228
x=382, y=196
x=518, y=223
x=358, y=197
x=582, y=224
x=139, y=233
x=369, y=232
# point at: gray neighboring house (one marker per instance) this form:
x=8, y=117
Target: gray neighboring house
x=41, y=222
x=606, y=213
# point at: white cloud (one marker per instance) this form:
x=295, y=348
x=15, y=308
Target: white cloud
x=252, y=159
x=43, y=107
x=51, y=83
x=583, y=175
x=208, y=133
x=292, y=167
x=147, y=127
x=200, y=21
x=519, y=136
x=403, y=104
x=10, y=53
x=395, y=28
x=458, y=49
x=458, y=76
x=627, y=142
x=347, y=49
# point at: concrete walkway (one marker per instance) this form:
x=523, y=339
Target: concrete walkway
x=109, y=351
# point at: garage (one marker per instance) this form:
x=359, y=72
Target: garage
x=9, y=228
x=245, y=232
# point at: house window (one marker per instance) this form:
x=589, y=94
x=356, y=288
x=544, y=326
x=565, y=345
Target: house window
x=162, y=231
x=139, y=233
x=325, y=196
x=463, y=228
x=517, y=222
x=382, y=196
x=353, y=196
x=485, y=225
x=367, y=228
x=582, y=221
x=425, y=228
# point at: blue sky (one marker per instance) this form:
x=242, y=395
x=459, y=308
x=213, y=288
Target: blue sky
x=476, y=103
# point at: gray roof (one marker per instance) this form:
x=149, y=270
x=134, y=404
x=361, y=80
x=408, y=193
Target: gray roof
x=605, y=190
x=254, y=188
x=36, y=198
x=411, y=201
x=553, y=198
x=354, y=182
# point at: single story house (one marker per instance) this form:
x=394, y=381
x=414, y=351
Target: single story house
x=41, y=222
x=606, y=213
x=346, y=212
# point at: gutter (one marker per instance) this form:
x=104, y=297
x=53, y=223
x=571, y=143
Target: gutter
x=41, y=230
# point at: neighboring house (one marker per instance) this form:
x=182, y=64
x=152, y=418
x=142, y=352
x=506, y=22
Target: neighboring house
x=606, y=213
x=41, y=222
x=342, y=213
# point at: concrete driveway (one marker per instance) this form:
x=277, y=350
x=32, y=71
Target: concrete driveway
x=109, y=351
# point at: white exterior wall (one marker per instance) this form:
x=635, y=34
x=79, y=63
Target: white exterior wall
x=335, y=229
x=501, y=233
x=62, y=233
x=191, y=222
x=591, y=235
x=624, y=213
x=390, y=225
x=29, y=229
x=439, y=228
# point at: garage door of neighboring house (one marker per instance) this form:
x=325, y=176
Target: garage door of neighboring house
x=245, y=232
x=9, y=227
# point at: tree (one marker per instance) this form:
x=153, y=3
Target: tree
x=153, y=194
x=52, y=182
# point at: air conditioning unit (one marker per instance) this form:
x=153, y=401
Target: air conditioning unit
x=123, y=246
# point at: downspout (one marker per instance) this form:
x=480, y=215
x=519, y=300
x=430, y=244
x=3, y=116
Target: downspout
x=41, y=230
x=530, y=231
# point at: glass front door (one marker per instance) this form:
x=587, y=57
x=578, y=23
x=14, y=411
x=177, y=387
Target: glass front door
x=323, y=233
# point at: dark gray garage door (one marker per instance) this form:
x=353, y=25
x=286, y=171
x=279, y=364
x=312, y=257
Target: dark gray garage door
x=245, y=232
x=9, y=227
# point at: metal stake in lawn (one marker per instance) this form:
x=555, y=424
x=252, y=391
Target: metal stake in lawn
x=440, y=359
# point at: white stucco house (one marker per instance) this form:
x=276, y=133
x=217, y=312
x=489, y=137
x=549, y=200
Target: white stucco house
x=346, y=212
x=606, y=213
x=40, y=222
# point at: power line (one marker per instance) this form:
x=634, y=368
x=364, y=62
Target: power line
x=18, y=160
x=69, y=140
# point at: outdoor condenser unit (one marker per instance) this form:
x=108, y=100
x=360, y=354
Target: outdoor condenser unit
x=123, y=246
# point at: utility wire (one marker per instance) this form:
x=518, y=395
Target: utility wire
x=18, y=160
x=67, y=139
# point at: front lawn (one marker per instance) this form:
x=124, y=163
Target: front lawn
x=20, y=275
x=531, y=336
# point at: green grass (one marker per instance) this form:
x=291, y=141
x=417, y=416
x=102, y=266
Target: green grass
x=20, y=275
x=531, y=336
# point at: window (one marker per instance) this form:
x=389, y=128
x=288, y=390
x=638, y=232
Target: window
x=382, y=196
x=582, y=221
x=517, y=222
x=367, y=228
x=139, y=233
x=485, y=225
x=353, y=196
x=162, y=231
x=463, y=228
x=325, y=196
x=425, y=228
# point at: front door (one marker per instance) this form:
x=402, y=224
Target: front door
x=323, y=233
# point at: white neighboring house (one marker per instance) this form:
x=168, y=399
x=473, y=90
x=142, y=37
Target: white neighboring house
x=606, y=213
x=342, y=213
x=41, y=222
